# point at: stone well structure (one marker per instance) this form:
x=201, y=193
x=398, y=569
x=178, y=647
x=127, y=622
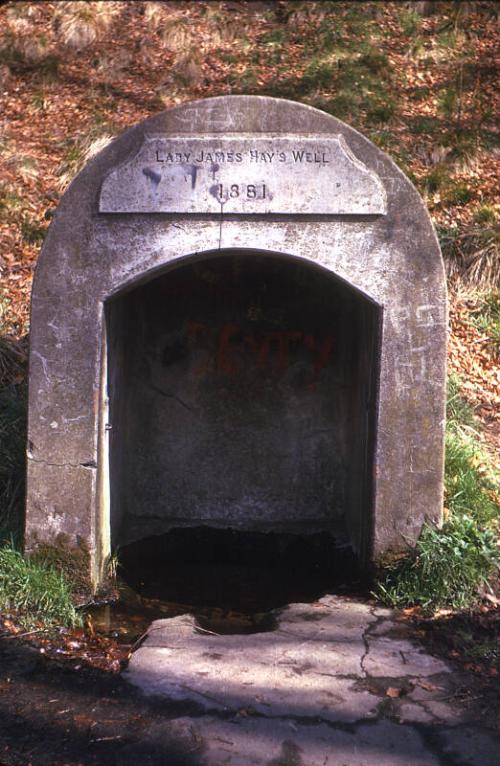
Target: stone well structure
x=238, y=320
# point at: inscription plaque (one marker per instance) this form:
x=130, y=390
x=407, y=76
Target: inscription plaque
x=243, y=175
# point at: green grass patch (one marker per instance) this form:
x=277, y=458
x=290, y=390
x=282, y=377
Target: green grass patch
x=340, y=106
x=319, y=74
x=330, y=40
x=440, y=179
x=37, y=591
x=410, y=22
x=370, y=71
x=469, y=479
x=425, y=124
x=449, y=39
x=459, y=194
x=487, y=318
x=450, y=566
x=447, y=568
x=278, y=36
x=384, y=139
x=421, y=93
x=458, y=411
x=32, y=233
x=485, y=214
x=381, y=110
x=448, y=102
x=486, y=652
x=437, y=179
x=374, y=61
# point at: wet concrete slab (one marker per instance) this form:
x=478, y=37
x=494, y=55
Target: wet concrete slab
x=338, y=683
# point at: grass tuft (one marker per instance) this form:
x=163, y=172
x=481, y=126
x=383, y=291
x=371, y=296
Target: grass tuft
x=470, y=487
x=32, y=233
x=486, y=317
x=452, y=566
x=79, y=151
x=81, y=24
x=485, y=214
x=381, y=111
x=471, y=255
x=410, y=22
x=37, y=591
x=448, y=567
x=458, y=411
x=459, y=194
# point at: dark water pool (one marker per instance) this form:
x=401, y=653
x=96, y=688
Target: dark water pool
x=230, y=581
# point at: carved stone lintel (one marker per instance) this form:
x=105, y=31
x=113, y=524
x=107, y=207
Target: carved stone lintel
x=244, y=175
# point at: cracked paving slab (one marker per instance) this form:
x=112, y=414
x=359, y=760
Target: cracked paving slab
x=207, y=741
x=399, y=657
x=311, y=692
x=269, y=743
x=307, y=667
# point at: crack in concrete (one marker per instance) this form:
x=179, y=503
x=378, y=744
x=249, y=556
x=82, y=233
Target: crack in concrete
x=204, y=696
x=432, y=739
x=365, y=636
x=227, y=713
x=220, y=224
x=87, y=464
x=430, y=733
x=177, y=399
x=350, y=727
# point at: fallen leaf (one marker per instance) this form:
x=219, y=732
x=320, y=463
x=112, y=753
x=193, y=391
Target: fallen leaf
x=492, y=599
x=393, y=692
x=428, y=686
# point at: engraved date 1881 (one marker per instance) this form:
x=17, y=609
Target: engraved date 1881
x=247, y=191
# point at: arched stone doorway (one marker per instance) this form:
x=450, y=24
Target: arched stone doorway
x=272, y=185
x=242, y=390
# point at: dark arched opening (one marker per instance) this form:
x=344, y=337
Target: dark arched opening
x=242, y=392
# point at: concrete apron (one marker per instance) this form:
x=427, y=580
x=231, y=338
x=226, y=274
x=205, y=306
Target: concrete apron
x=337, y=683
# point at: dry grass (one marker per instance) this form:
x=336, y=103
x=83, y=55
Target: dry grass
x=81, y=24
x=471, y=257
x=78, y=154
x=21, y=40
x=21, y=17
x=172, y=26
x=178, y=33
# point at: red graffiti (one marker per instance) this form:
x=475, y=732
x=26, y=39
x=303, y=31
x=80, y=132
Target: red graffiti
x=224, y=363
x=229, y=349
